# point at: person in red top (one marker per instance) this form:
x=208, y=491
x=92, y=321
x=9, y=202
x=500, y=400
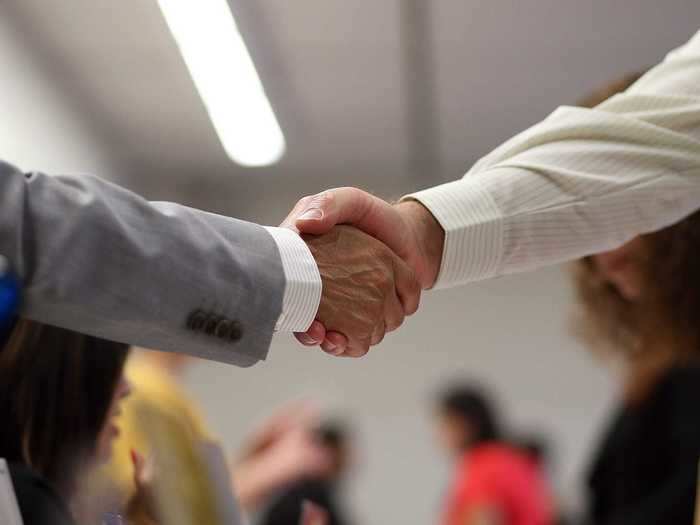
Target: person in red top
x=494, y=483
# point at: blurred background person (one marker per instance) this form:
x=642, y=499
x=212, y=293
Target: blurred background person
x=60, y=393
x=281, y=451
x=321, y=487
x=494, y=482
x=639, y=307
x=538, y=447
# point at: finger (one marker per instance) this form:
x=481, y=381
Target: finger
x=358, y=347
x=394, y=313
x=141, y=470
x=298, y=209
x=313, y=336
x=305, y=339
x=378, y=334
x=331, y=348
x=358, y=208
x=337, y=339
x=137, y=461
x=408, y=289
x=318, y=214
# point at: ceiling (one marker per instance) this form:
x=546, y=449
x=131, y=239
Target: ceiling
x=408, y=90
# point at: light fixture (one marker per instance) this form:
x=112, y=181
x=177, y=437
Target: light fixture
x=224, y=74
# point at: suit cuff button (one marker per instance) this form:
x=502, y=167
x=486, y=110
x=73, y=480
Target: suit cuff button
x=236, y=332
x=196, y=319
x=223, y=329
x=210, y=324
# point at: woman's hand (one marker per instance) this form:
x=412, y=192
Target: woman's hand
x=141, y=509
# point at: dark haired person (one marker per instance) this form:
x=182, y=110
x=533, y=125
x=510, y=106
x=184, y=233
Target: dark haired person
x=321, y=488
x=642, y=300
x=494, y=483
x=59, y=393
x=640, y=306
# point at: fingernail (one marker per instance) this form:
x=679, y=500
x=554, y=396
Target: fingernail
x=308, y=340
x=313, y=214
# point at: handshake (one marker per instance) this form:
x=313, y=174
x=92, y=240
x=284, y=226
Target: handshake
x=374, y=259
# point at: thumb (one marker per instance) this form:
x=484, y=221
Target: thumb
x=143, y=469
x=374, y=216
x=350, y=206
x=317, y=214
x=138, y=462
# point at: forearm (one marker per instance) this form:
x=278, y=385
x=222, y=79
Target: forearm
x=98, y=259
x=581, y=181
x=430, y=237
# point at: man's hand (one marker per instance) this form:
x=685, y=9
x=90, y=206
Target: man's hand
x=367, y=288
x=408, y=228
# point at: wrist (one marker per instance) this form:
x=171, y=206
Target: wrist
x=429, y=237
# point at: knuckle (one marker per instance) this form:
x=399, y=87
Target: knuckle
x=397, y=322
x=323, y=199
x=386, y=278
x=355, y=193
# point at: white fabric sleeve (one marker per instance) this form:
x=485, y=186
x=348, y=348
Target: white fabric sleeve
x=580, y=182
x=302, y=293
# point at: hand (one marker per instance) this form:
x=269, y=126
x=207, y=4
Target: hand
x=141, y=508
x=367, y=289
x=293, y=454
x=408, y=228
x=297, y=455
x=298, y=415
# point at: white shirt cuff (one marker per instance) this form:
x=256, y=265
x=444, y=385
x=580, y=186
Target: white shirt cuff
x=473, y=230
x=302, y=292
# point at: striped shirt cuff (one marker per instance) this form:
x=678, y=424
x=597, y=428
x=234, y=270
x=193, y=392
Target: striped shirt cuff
x=473, y=230
x=302, y=292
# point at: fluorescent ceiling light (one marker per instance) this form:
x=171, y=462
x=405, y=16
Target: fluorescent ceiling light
x=226, y=79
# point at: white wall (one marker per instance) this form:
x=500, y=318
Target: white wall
x=42, y=127
x=511, y=333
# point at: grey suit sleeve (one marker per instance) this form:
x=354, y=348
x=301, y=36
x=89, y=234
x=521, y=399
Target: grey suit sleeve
x=96, y=258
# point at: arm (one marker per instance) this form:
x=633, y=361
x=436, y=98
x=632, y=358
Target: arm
x=580, y=182
x=96, y=258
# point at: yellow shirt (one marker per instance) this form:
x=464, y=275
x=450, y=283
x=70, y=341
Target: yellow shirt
x=155, y=389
